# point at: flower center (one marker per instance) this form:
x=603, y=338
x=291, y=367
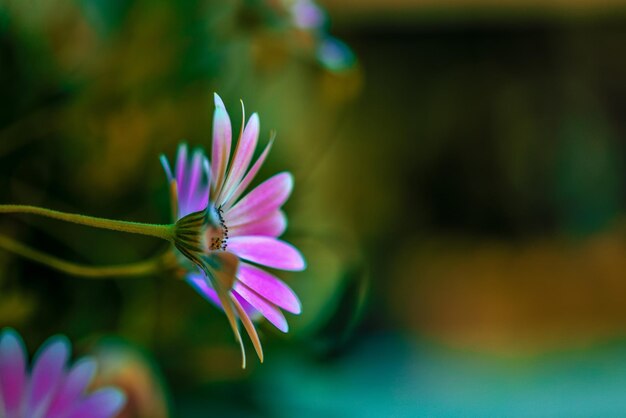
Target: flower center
x=217, y=236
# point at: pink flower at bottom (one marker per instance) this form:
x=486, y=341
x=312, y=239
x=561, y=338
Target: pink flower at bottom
x=50, y=389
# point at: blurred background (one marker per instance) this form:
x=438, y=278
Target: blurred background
x=460, y=185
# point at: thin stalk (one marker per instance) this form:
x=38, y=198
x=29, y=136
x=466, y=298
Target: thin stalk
x=165, y=232
x=142, y=268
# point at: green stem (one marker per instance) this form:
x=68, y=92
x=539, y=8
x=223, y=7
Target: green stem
x=143, y=268
x=165, y=232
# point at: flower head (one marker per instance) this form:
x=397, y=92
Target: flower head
x=306, y=14
x=50, y=390
x=228, y=237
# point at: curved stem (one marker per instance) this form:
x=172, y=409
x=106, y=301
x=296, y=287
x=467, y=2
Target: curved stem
x=142, y=268
x=165, y=232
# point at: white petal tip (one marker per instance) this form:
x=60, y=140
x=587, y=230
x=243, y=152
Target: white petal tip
x=299, y=263
x=113, y=398
x=166, y=167
x=88, y=365
x=286, y=178
x=218, y=100
x=10, y=340
x=59, y=344
x=289, y=176
x=296, y=309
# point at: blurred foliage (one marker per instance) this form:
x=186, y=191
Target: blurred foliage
x=460, y=183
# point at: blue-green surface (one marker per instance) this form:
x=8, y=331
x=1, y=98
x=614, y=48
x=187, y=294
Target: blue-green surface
x=387, y=376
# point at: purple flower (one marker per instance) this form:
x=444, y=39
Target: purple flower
x=241, y=233
x=50, y=390
x=307, y=15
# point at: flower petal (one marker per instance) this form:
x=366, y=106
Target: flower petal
x=220, y=269
x=47, y=374
x=197, y=203
x=228, y=308
x=250, y=311
x=263, y=200
x=181, y=167
x=242, y=157
x=12, y=373
x=196, y=280
x=222, y=137
x=104, y=403
x=72, y=388
x=267, y=251
x=269, y=311
x=198, y=188
x=269, y=287
x=273, y=225
x=193, y=173
x=166, y=167
x=249, y=326
x=226, y=204
x=223, y=267
x=199, y=195
x=191, y=186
